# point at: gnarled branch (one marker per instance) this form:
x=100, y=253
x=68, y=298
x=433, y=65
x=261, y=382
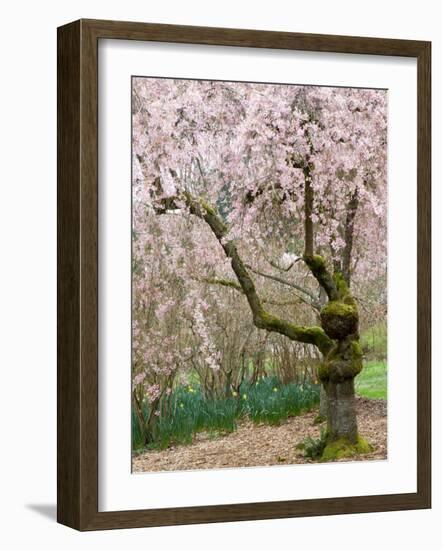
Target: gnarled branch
x=317, y=266
x=261, y=318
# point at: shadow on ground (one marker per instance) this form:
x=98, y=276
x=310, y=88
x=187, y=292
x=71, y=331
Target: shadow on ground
x=48, y=511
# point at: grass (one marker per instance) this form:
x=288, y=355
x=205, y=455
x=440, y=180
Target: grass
x=189, y=412
x=374, y=341
x=372, y=380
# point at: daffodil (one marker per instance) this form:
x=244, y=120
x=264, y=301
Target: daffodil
x=244, y=396
x=275, y=389
x=181, y=405
x=234, y=393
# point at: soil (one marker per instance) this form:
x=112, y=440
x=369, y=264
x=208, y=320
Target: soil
x=264, y=445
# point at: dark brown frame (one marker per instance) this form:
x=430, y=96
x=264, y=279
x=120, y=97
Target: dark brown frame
x=77, y=225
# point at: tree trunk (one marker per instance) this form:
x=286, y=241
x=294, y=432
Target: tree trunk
x=337, y=374
x=340, y=366
x=323, y=408
x=341, y=411
x=140, y=417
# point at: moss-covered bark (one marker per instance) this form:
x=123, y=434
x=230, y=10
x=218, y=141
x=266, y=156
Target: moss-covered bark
x=323, y=408
x=340, y=366
x=316, y=264
x=342, y=448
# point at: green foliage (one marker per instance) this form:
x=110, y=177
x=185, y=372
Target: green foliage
x=372, y=380
x=271, y=402
x=137, y=437
x=374, y=341
x=313, y=448
x=189, y=411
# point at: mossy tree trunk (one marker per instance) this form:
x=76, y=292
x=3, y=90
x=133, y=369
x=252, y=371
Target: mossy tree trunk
x=341, y=411
x=323, y=408
x=322, y=414
x=337, y=373
x=340, y=366
x=341, y=363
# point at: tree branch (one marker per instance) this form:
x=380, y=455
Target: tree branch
x=285, y=269
x=231, y=284
x=317, y=266
x=223, y=282
x=308, y=211
x=315, y=263
x=352, y=208
x=261, y=318
x=314, y=303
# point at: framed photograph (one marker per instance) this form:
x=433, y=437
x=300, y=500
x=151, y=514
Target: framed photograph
x=243, y=274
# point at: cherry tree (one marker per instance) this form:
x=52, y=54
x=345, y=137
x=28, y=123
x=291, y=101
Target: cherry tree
x=266, y=183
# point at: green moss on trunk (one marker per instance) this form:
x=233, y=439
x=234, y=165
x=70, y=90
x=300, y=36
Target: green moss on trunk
x=307, y=335
x=344, y=361
x=339, y=319
x=317, y=266
x=343, y=448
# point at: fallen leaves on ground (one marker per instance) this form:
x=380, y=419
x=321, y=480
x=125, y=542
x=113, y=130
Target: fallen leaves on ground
x=263, y=445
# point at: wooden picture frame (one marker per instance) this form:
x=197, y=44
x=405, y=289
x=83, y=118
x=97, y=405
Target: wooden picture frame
x=77, y=226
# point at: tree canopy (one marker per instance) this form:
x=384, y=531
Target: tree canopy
x=266, y=190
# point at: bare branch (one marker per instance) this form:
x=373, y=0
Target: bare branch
x=285, y=269
x=314, y=303
x=231, y=284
